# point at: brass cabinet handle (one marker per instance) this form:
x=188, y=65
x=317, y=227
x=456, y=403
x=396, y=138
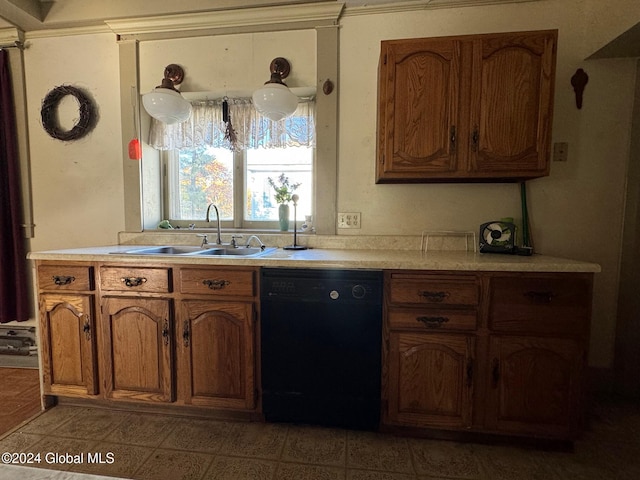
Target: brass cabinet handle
x=435, y=297
x=452, y=137
x=539, y=297
x=165, y=332
x=474, y=139
x=86, y=328
x=185, y=333
x=63, y=279
x=495, y=373
x=133, y=281
x=432, y=322
x=216, y=284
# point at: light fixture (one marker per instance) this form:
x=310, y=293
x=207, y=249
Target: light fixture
x=274, y=100
x=165, y=103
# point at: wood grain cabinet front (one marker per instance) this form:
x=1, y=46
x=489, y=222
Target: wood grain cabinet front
x=67, y=336
x=539, y=332
x=216, y=337
x=430, y=349
x=216, y=354
x=137, y=348
x=498, y=353
x=68, y=344
x=474, y=107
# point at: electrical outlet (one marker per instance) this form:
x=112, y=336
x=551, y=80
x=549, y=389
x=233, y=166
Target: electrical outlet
x=560, y=151
x=349, y=220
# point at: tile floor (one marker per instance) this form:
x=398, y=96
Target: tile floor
x=147, y=446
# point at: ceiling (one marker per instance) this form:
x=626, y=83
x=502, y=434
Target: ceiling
x=31, y=15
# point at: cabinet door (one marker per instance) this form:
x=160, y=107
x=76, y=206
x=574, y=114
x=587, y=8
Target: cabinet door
x=534, y=385
x=430, y=379
x=419, y=108
x=512, y=104
x=137, y=348
x=67, y=342
x=216, y=354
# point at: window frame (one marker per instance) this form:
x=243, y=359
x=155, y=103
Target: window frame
x=169, y=191
x=142, y=200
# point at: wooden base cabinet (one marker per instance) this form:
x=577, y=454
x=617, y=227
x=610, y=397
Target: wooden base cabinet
x=168, y=334
x=519, y=371
x=216, y=352
x=430, y=351
x=216, y=326
x=67, y=329
x=137, y=344
x=430, y=379
x=535, y=385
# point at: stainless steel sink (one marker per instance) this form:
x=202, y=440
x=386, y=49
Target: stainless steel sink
x=235, y=251
x=166, y=250
x=221, y=251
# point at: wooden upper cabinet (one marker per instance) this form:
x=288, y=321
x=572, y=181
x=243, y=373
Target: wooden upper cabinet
x=476, y=107
x=419, y=107
x=512, y=104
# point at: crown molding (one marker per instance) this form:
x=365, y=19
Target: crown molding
x=413, y=5
x=68, y=31
x=10, y=36
x=288, y=17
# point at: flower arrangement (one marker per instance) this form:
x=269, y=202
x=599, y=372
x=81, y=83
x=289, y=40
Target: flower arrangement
x=283, y=188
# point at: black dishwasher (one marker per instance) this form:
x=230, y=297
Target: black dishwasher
x=321, y=333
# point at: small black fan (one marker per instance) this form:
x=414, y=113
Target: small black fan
x=497, y=237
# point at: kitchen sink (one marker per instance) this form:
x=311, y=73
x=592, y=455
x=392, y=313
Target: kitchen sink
x=167, y=250
x=235, y=251
x=214, y=251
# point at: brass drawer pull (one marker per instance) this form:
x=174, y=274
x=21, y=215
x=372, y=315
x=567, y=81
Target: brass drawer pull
x=539, y=297
x=63, y=279
x=216, y=284
x=432, y=322
x=435, y=297
x=133, y=281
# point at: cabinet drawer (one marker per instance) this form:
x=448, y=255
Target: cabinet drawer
x=422, y=289
x=432, y=319
x=540, y=304
x=62, y=277
x=218, y=281
x=131, y=279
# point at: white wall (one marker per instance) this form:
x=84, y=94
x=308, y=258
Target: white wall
x=77, y=186
x=576, y=212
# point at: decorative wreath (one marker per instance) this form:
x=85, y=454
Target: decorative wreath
x=85, y=123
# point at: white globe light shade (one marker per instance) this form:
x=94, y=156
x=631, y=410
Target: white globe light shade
x=166, y=105
x=275, y=101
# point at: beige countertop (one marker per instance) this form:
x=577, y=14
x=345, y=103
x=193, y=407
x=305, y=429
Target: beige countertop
x=337, y=258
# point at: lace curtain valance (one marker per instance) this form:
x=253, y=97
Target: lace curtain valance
x=252, y=130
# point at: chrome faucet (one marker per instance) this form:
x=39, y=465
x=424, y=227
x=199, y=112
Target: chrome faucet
x=262, y=245
x=219, y=239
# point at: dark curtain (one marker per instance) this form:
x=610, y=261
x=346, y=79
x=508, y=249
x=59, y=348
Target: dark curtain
x=14, y=296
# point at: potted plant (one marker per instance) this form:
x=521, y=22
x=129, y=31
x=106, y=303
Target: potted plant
x=284, y=189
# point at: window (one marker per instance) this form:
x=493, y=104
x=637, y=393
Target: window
x=202, y=167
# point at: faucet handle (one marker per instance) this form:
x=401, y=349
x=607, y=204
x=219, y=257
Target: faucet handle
x=234, y=244
x=205, y=240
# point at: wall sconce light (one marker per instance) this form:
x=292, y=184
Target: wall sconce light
x=274, y=100
x=164, y=103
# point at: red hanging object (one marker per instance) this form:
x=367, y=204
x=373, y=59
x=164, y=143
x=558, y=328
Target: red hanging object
x=135, y=149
